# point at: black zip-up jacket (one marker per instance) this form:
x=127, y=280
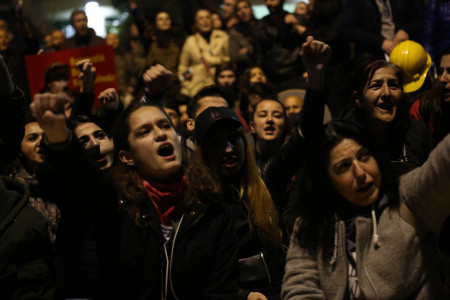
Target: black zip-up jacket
x=134, y=263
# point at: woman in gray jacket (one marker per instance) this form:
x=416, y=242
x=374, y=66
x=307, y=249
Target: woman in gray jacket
x=361, y=232
x=360, y=237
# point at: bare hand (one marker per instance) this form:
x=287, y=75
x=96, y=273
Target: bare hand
x=49, y=111
x=256, y=296
x=315, y=54
x=156, y=79
x=400, y=36
x=243, y=50
x=132, y=4
x=290, y=19
x=387, y=46
x=300, y=29
x=109, y=99
x=87, y=75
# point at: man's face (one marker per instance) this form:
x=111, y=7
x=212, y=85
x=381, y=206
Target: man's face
x=444, y=76
x=204, y=103
x=274, y=5
x=244, y=12
x=112, y=40
x=91, y=135
x=174, y=117
x=226, y=78
x=57, y=38
x=3, y=24
x=79, y=23
x=163, y=21
x=4, y=40
x=227, y=8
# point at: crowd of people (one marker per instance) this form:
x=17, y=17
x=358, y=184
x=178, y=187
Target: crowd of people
x=301, y=156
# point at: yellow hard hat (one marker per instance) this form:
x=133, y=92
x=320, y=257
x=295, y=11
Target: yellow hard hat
x=413, y=61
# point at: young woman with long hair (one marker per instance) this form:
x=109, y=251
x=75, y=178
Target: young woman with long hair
x=223, y=154
x=168, y=245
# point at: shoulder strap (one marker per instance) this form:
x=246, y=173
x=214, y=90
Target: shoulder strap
x=205, y=64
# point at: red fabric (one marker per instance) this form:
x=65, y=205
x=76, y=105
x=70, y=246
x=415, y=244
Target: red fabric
x=414, y=111
x=164, y=197
x=241, y=118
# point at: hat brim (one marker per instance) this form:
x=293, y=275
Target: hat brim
x=229, y=123
x=415, y=85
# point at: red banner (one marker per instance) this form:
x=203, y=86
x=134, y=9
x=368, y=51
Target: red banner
x=102, y=58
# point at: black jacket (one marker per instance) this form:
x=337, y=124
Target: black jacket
x=280, y=46
x=133, y=260
x=90, y=39
x=26, y=254
x=250, y=244
x=200, y=260
x=362, y=25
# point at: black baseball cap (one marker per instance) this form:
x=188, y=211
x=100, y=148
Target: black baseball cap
x=212, y=116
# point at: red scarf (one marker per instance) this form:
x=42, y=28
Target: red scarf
x=164, y=197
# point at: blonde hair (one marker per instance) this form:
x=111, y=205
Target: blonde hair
x=260, y=203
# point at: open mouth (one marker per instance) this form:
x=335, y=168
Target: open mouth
x=165, y=150
x=101, y=161
x=446, y=95
x=230, y=161
x=269, y=129
x=387, y=106
x=365, y=187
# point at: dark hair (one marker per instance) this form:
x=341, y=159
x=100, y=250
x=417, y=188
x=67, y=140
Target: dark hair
x=159, y=12
x=57, y=71
x=257, y=88
x=82, y=119
x=172, y=103
x=248, y=3
x=210, y=91
x=319, y=199
x=443, y=53
x=182, y=99
x=261, y=209
x=399, y=126
x=367, y=74
x=121, y=128
x=76, y=12
x=127, y=179
x=274, y=99
x=221, y=68
x=244, y=78
x=432, y=106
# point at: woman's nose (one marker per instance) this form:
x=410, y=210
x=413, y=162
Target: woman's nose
x=160, y=135
x=360, y=173
x=385, y=90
